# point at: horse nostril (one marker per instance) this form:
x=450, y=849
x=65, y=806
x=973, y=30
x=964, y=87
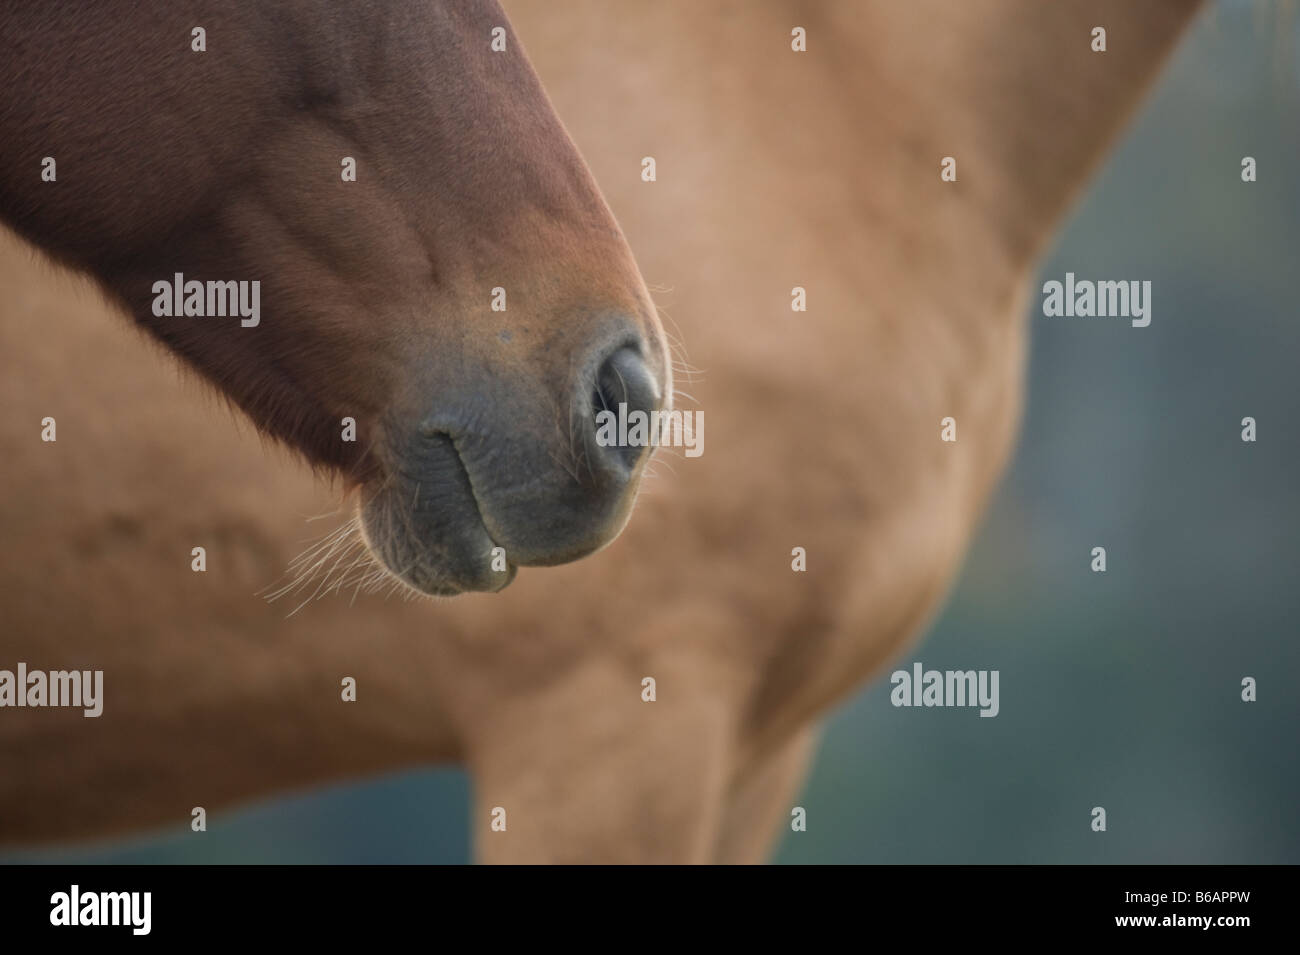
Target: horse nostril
x=622, y=402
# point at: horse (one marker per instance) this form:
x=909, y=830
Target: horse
x=469, y=302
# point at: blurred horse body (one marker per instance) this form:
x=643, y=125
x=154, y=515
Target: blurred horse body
x=775, y=169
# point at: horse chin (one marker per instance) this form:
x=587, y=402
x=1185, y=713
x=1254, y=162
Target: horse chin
x=439, y=548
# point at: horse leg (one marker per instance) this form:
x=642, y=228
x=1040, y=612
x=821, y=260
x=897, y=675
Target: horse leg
x=586, y=771
x=758, y=805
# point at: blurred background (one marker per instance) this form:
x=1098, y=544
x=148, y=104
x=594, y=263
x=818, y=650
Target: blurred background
x=1122, y=689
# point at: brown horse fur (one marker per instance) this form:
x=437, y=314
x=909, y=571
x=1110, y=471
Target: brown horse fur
x=775, y=169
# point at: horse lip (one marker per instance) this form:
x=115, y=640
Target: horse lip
x=473, y=493
x=444, y=548
x=507, y=576
x=512, y=569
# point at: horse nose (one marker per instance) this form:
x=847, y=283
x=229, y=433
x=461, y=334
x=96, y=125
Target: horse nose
x=624, y=397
